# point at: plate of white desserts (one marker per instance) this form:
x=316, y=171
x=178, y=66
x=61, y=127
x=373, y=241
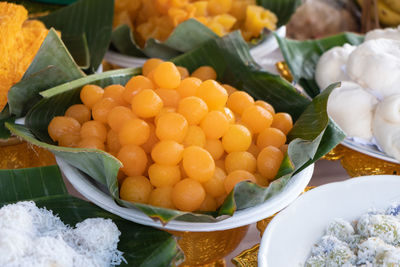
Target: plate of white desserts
x=337, y=225
x=366, y=106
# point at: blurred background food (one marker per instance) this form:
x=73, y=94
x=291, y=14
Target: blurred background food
x=157, y=19
x=321, y=18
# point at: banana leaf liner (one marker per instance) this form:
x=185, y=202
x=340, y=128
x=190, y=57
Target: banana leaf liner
x=141, y=245
x=313, y=134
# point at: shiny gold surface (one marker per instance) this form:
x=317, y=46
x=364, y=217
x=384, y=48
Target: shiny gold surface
x=247, y=258
x=15, y=154
x=284, y=70
x=209, y=248
x=359, y=164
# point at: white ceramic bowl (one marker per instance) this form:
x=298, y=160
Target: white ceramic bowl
x=100, y=197
x=289, y=237
x=259, y=52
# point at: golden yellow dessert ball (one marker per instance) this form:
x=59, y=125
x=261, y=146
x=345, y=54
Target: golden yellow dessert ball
x=239, y=101
x=91, y=94
x=115, y=92
x=271, y=137
x=167, y=152
x=215, y=124
x=150, y=65
x=214, y=146
x=256, y=118
x=172, y=126
x=240, y=160
x=101, y=109
x=213, y=94
x=204, y=73
x=134, y=160
x=94, y=129
x=209, y=204
x=169, y=97
x=164, y=175
x=162, y=197
x=61, y=125
x=282, y=121
x=134, y=132
x=136, y=189
x=113, y=144
x=269, y=161
x=215, y=187
x=188, y=87
x=193, y=108
x=188, y=195
x=135, y=85
x=198, y=163
x=118, y=116
x=146, y=104
x=79, y=112
x=166, y=75
x=194, y=137
x=236, y=138
x=265, y=105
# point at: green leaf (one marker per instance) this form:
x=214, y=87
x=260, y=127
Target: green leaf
x=4, y=132
x=283, y=9
x=25, y=184
x=141, y=245
x=78, y=45
x=302, y=56
x=313, y=134
x=186, y=36
x=123, y=40
x=230, y=57
x=51, y=66
x=91, y=18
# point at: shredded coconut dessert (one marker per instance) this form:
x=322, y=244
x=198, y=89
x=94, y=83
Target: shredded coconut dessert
x=373, y=240
x=35, y=237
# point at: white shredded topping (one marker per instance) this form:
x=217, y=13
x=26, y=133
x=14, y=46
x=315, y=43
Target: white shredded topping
x=35, y=237
x=373, y=240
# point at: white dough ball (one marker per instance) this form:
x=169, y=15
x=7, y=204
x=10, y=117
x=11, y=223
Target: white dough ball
x=330, y=66
x=386, y=125
x=351, y=107
x=375, y=65
x=388, y=33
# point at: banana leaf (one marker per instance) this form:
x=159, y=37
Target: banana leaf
x=84, y=19
x=302, y=56
x=231, y=59
x=141, y=245
x=190, y=34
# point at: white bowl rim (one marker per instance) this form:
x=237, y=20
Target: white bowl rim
x=267, y=235
x=241, y=218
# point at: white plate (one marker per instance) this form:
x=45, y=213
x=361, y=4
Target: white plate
x=289, y=237
x=259, y=52
x=94, y=193
x=370, y=150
